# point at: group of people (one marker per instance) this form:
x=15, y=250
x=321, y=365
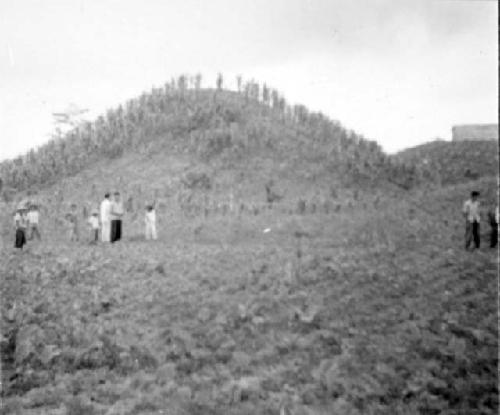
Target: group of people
x=105, y=224
x=26, y=221
x=108, y=221
x=472, y=214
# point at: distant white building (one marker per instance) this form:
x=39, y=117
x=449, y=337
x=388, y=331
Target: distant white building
x=475, y=132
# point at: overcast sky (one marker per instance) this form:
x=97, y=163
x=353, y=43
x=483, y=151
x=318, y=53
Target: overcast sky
x=401, y=72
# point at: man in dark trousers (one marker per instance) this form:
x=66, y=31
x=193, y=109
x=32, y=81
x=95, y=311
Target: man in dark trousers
x=116, y=218
x=493, y=219
x=472, y=219
x=20, y=222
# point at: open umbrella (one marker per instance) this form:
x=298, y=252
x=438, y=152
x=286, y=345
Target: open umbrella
x=23, y=204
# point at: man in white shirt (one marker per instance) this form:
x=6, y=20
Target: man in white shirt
x=106, y=219
x=472, y=217
x=150, y=222
x=33, y=219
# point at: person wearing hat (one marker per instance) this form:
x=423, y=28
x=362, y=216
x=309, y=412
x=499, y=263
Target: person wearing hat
x=93, y=222
x=33, y=219
x=20, y=223
x=472, y=217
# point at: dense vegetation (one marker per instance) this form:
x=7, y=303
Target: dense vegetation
x=182, y=117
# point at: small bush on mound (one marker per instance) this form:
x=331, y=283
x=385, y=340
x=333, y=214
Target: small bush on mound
x=78, y=406
x=8, y=195
x=301, y=207
x=218, y=142
x=197, y=180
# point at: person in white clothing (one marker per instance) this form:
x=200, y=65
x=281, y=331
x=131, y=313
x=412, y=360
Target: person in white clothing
x=106, y=219
x=472, y=217
x=33, y=219
x=150, y=222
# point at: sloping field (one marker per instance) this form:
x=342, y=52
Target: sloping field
x=365, y=310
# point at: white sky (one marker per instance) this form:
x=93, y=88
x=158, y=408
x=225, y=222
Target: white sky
x=401, y=72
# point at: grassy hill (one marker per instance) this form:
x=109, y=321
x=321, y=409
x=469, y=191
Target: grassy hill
x=333, y=291
x=219, y=127
x=453, y=162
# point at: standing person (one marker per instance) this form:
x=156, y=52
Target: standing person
x=116, y=218
x=33, y=220
x=93, y=222
x=72, y=218
x=106, y=219
x=493, y=219
x=20, y=222
x=472, y=219
x=129, y=206
x=150, y=222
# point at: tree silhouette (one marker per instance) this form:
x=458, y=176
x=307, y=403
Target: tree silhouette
x=197, y=81
x=182, y=83
x=239, y=83
x=219, y=82
x=265, y=94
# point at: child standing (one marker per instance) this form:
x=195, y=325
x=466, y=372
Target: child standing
x=94, y=227
x=20, y=223
x=150, y=221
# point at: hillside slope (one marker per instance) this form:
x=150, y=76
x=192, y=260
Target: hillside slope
x=453, y=162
